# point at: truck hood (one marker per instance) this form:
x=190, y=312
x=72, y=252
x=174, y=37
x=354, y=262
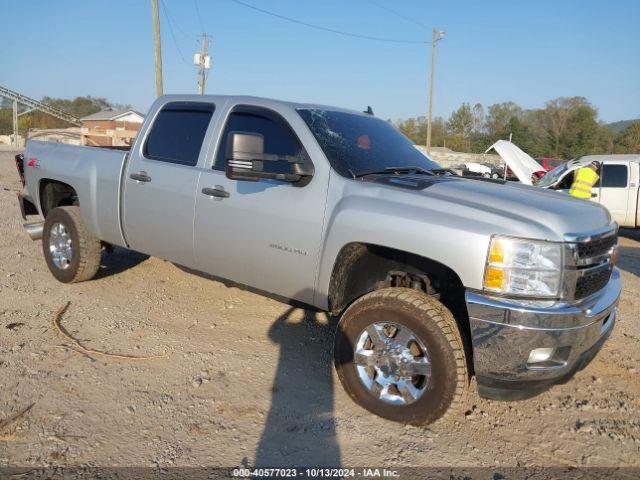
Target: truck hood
x=498, y=207
x=522, y=165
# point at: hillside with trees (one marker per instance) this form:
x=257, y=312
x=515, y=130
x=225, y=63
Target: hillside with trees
x=621, y=125
x=567, y=127
x=79, y=106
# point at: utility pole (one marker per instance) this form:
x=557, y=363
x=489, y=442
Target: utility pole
x=157, y=46
x=203, y=60
x=435, y=38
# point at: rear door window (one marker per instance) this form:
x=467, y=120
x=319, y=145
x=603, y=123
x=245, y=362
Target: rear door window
x=614, y=176
x=178, y=131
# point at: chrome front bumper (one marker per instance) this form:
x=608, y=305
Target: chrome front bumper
x=504, y=332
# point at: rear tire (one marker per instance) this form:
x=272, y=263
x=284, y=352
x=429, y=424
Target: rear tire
x=415, y=394
x=71, y=252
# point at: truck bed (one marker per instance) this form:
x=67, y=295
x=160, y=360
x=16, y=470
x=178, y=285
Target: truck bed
x=95, y=173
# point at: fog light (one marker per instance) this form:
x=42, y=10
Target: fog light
x=539, y=355
x=548, y=358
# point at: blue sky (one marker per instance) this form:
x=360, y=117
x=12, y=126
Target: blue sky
x=494, y=51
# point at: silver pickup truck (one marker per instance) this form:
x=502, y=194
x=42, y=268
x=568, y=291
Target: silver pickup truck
x=434, y=278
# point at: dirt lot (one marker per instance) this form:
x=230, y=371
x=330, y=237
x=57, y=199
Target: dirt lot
x=246, y=380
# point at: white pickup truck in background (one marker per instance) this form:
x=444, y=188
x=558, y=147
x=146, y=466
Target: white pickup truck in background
x=617, y=189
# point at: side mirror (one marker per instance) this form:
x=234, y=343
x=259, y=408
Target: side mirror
x=246, y=158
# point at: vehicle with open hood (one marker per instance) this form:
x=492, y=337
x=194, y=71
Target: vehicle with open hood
x=549, y=163
x=518, y=164
x=617, y=189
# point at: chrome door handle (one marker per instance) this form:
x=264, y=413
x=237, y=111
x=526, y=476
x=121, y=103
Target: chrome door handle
x=218, y=192
x=140, y=176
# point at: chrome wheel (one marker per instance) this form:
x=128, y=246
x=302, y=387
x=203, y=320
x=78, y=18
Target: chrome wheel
x=60, y=246
x=392, y=363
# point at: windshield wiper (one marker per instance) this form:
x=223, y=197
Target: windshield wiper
x=394, y=170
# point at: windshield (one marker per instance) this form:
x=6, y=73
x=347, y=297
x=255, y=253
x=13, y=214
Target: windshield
x=553, y=176
x=356, y=144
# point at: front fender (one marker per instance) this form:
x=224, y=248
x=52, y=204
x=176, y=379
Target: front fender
x=411, y=229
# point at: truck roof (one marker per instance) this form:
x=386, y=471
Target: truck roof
x=604, y=158
x=263, y=101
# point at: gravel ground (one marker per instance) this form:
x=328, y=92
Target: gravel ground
x=245, y=380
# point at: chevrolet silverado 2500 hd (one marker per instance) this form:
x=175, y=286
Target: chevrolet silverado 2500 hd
x=435, y=278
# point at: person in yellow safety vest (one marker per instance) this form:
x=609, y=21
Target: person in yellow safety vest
x=585, y=178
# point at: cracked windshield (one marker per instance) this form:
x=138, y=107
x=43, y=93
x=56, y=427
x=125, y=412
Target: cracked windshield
x=359, y=144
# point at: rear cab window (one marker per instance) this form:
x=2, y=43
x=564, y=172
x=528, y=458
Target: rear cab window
x=178, y=131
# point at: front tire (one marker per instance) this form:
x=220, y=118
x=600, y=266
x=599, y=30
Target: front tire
x=399, y=354
x=71, y=252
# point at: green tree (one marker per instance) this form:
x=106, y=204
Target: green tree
x=411, y=127
x=554, y=118
x=606, y=139
x=460, y=126
x=79, y=107
x=478, y=118
x=628, y=141
x=567, y=127
x=457, y=142
x=570, y=126
x=461, y=121
x=6, y=117
x=416, y=130
x=438, y=131
x=498, y=119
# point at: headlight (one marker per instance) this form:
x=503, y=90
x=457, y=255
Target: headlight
x=528, y=268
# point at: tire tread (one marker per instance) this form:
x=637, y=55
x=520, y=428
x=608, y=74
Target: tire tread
x=89, y=248
x=444, y=319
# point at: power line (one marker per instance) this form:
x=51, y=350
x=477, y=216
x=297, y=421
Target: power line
x=399, y=14
x=173, y=36
x=195, y=2
x=175, y=22
x=327, y=29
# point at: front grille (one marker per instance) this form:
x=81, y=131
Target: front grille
x=596, y=247
x=592, y=267
x=592, y=282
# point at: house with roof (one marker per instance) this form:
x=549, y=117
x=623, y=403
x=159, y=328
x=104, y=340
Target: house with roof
x=111, y=128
